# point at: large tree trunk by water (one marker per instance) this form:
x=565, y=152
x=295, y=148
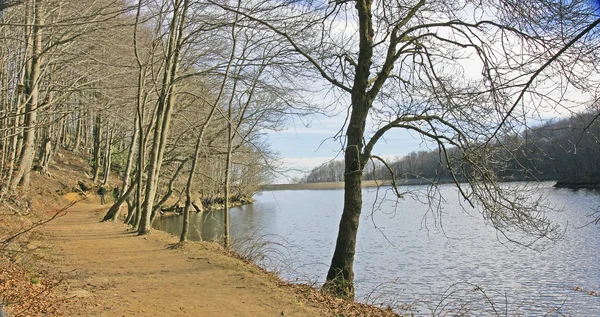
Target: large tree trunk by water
x=340, y=278
x=341, y=274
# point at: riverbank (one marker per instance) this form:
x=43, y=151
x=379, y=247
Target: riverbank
x=58, y=259
x=340, y=185
x=178, y=210
x=581, y=183
x=316, y=186
x=102, y=269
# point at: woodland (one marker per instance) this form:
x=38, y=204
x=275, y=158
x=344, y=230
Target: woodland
x=178, y=112
x=176, y=95
x=560, y=149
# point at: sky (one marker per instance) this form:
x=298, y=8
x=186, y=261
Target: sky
x=303, y=147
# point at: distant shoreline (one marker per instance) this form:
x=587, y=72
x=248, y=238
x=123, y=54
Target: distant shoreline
x=329, y=185
x=338, y=185
x=587, y=183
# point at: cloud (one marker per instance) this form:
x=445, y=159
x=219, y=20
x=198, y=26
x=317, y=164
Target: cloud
x=306, y=162
x=311, y=131
x=296, y=167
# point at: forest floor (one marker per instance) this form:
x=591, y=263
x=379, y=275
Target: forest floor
x=75, y=265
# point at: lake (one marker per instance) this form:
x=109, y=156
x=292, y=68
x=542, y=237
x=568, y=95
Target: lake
x=408, y=255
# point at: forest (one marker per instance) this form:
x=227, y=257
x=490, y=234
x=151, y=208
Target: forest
x=171, y=95
x=177, y=95
x=559, y=149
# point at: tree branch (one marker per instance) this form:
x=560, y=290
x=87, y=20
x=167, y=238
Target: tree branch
x=296, y=47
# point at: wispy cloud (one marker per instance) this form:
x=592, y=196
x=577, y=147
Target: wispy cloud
x=311, y=131
x=296, y=167
x=307, y=163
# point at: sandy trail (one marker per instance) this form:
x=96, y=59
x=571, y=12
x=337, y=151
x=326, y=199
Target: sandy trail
x=115, y=273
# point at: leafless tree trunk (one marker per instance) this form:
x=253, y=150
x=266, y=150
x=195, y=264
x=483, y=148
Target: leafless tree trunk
x=78, y=130
x=214, y=107
x=46, y=155
x=164, y=111
x=33, y=90
x=107, y=156
x=97, y=142
x=113, y=212
x=190, y=180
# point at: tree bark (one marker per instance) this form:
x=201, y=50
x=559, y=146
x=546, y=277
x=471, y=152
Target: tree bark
x=165, y=109
x=341, y=273
x=226, y=237
x=340, y=278
x=77, y=133
x=125, y=187
x=97, y=142
x=33, y=90
x=113, y=212
x=188, y=193
x=107, y=157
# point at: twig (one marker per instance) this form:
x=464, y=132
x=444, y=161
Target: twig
x=61, y=212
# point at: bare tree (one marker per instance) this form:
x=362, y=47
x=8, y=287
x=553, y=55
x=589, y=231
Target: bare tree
x=213, y=107
x=402, y=65
x=32, y=89
x=165, y=107
x=54, y=77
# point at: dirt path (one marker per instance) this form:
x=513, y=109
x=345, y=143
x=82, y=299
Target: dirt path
x=115, y=273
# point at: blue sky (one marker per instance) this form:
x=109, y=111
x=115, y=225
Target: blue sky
x=305, y=147
x=302, y=148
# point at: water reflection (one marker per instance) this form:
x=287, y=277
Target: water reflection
x=205, y=226
x=403, y=258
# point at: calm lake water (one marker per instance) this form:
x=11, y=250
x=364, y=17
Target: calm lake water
x=404, y=255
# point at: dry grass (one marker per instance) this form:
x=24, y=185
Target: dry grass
x=337, y=306
x=25, y=288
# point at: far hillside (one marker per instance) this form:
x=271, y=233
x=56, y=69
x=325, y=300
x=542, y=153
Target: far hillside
x=565, y=149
